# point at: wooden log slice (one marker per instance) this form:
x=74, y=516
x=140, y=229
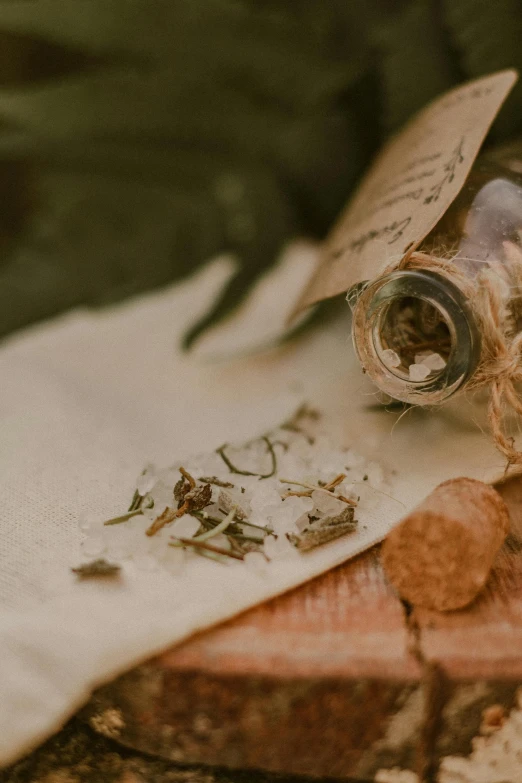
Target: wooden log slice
x=316, y=682
x=336, y=678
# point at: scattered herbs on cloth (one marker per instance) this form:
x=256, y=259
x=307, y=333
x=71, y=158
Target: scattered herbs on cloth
x=97, y=568
x=277, y=496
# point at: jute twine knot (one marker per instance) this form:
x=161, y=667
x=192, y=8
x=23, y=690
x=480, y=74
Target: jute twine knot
x=500, y=364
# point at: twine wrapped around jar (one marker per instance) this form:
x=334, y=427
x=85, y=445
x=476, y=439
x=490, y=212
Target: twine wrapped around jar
x=500, y=364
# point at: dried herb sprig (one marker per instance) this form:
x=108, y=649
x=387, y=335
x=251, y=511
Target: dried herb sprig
x=123, y=517
x=129, y=514
x=321, y=531
x=309, y=488
x=227, y=503
x=191, y=480
x=233, y=469
x=325, y=487
x=190, y=498
x=96, y=568
x=349, y=501
x=330, y=485
x=217, y=482
x=136, y=501
x=233, y=530
x=267, y=530
x=182, y=487
x=220, y=528
x=246, y=539
x=303, y=413
x=207, y=547
x=167, y=516
x=214, y=531
x=313, y=538
x=204, y=517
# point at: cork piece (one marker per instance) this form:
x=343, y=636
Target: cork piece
x=440, y=555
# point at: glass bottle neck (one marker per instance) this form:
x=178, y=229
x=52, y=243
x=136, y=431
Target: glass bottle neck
x=416, y=336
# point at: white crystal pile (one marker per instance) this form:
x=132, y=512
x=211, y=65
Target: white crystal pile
x=391, y=358
x=426, y=362
x=298, y=457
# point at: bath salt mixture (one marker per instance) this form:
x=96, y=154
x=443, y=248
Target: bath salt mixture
x=278, y=496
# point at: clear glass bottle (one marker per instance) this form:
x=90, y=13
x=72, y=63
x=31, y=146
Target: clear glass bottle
x=415, y=332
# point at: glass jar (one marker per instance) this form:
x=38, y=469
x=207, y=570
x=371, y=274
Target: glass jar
x=416, y=330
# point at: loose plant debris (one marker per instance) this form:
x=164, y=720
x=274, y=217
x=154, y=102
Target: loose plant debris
x=217, y=482
x=234, y=469
x=133, y=511
x=135, y=502
x=322, y=531
x=310, y=539
x=209, y=547
x=97, y=568
x=297, y=491
x=189, y=496
x=227, y=502
x=320, y=487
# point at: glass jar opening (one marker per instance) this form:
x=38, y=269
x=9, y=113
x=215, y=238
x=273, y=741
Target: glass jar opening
x=413, y=338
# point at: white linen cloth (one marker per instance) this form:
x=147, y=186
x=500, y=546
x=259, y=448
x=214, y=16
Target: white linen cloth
x=86, y=400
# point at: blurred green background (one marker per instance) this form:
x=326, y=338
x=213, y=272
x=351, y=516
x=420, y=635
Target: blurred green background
x=139, y=138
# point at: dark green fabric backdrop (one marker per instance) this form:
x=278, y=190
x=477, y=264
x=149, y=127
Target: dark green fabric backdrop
x=140, y=137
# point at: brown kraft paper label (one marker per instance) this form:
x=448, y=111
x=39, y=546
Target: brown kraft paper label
x=410, y=186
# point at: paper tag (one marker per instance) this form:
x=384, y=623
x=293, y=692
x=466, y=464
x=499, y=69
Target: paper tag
x=409, y=187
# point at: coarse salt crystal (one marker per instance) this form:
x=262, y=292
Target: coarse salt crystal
x=419, y=372
x=150, y=514
x=391, y=358
x=145, y=484
x=88, y=522
x=435, y=362
x=263, y=497
x=162, y=495
x=327, y=470
x=348, y=490
x=278, y=548
x=326, y=503
x=147, y=478
x=282, y=525
x=260, y=520
x=302, y=522
x=298, y=505
x=92, y=546
x=169, y=476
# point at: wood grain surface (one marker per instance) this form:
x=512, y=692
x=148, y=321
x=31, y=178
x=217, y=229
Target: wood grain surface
x=337, y=678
